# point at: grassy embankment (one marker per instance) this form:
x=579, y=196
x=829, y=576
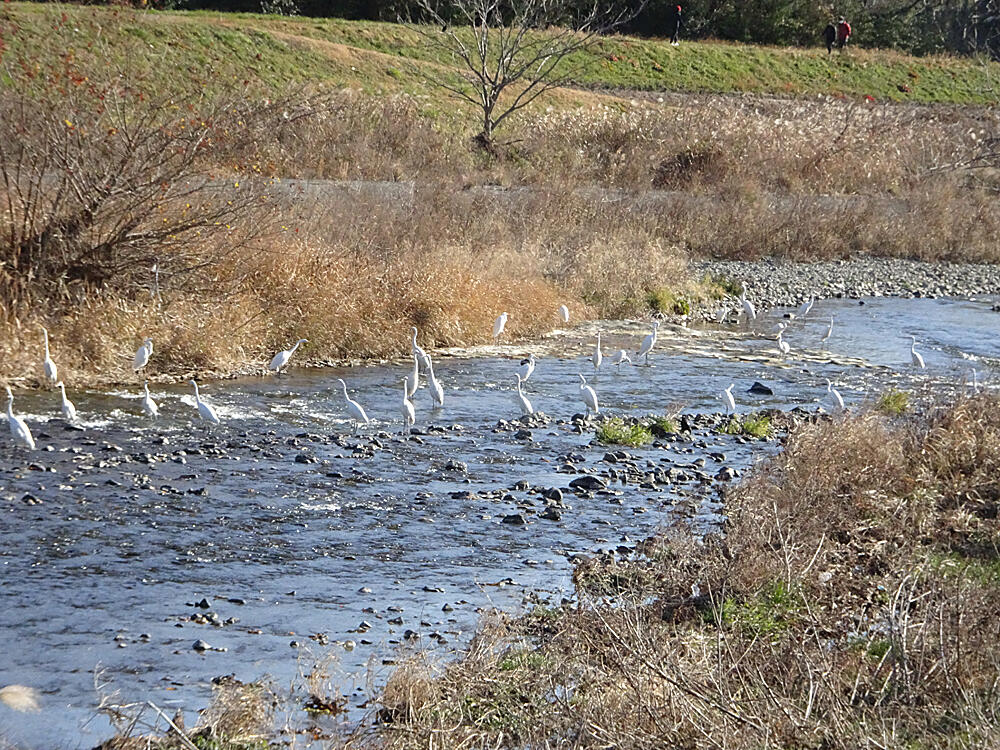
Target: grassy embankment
x=239, y=280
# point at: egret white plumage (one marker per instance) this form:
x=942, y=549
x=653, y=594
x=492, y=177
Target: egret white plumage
x=728, y=400
x=647, y=343
x=148, y=405
x=498, y=325
x=720, y=317
x=526, y=367
x=413, y=378
x=280, y=359
x=51, y=371
x=805, y=307
x=597, y=357
x=915, y=357
x=589, y=396
x=783, y=345
x=748, y=308
x=205, y=411
x=415, y=347
x=975, y=381
x=18, y=428
x=68, y=410
x=520, y=399
x=836, y=401
x=829, y=332
x=142, y=354
x=406, y=409
x=564, y=313
x=354, y=408
x=618, y=358
x=433, y=384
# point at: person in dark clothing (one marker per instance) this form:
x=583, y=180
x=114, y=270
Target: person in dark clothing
x=676, y=22
x=830, y=36
x=843, y=33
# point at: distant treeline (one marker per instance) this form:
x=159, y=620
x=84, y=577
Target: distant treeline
x=916, y=26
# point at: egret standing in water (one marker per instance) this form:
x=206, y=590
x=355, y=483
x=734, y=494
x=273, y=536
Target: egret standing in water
x=406, y=408
x=148, y=405
x=18, y=428
x=415, y=347
x=498, y=325
x=526, y=367
x=723, y=313
x=433, y=384
x=836, y=401
x=564, y=313
x=280, y=359
x=51, y=371
x=589, y=396
x=413, y=379
x=142, y=354
x=915, y=356
x=205, y=411
x=597, y=357
x=68, y=410
x=521, y=400
x=647, y=343
x=728, y=400
x=783, y=345
x=829, y=332
x=618, y=358
x=806, y=307
x=354, y=408
x=748, y=308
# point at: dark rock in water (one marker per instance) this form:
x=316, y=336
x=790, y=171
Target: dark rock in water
x=521, y=485
x=200, y=645
x=454, y=465
x=203, y=604
x=522, y=435
x=551, y=514
x=726, y=474
x=410, y=635
x=588, y=482
x=515, y=519
x=685, y=423
x=554, y=493
x=760, y=389
x=305, y=458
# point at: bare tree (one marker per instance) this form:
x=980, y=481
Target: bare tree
x=510, y=52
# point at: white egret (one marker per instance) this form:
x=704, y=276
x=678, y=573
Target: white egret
x=618, y=358
x=836, y=401
x=280, y=359
x=526, y=368
x=805, y=307
x=415, y=347
x=597, y=357
x=406, y=408
x=354, y=408
x=728, y=400
x=829, y=332
x=18, y=428
x=498, y=325
x=915, y=356
x=205, y=411
x=975, y=381
x=521, y=400
x=51, y=371
x=564, y=313
x=589, y=396
x=783, y=345
x=148, y=405
x=748, y=308
x=68, y=410
x=433, y=384
x=142, y=354
x=647, y=343
x=413, y=379
x=723, y=313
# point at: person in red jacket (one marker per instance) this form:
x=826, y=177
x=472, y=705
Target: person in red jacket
x=843, y=33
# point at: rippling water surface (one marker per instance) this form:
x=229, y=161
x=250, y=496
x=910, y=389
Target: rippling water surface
x=291, y=526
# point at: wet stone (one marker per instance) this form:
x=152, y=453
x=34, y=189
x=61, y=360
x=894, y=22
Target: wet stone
x=588, y=483
x=514, y=519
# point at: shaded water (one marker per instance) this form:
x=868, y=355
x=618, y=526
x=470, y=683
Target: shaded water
x=293, y=526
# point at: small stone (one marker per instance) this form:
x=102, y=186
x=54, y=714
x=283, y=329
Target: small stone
x=588, y=482
x=201, y=646
x=515, y=519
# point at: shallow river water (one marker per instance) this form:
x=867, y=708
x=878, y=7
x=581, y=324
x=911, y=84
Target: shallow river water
x=302, y=535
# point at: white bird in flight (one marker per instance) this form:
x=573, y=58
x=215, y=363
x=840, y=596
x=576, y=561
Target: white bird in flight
x=148, y=405
x=564, y=313
x=596, y=358
x=142, y=354
x=589, y=396
x=205, y=411
x=498, y=325
x=433, y=384
x=279, y=360
x=526, y=367
x=520, y=399
x=354, y=408
x=647, y=343
x=835, y=398
x=406, y=408
x=915, y=356
x=68, y=410
x=18, y=428
x=51, y=371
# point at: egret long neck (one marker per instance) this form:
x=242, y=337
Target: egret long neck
x=46, y=335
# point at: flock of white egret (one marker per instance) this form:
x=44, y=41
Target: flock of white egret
x=588, y=396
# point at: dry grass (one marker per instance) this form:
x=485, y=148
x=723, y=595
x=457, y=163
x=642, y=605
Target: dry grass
x=851, y=604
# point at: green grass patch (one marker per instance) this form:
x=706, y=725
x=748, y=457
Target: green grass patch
x=893, y=402
x=984, y=571
x=667, y=302
x=615, y=431
x=769, y=613
x=663, y=425
x=752, y=425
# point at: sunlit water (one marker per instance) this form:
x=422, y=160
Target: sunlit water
x=130, y=533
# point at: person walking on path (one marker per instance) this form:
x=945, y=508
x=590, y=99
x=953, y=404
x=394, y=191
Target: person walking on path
x=830, y=36
x=676, y=22
x=843, y=33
